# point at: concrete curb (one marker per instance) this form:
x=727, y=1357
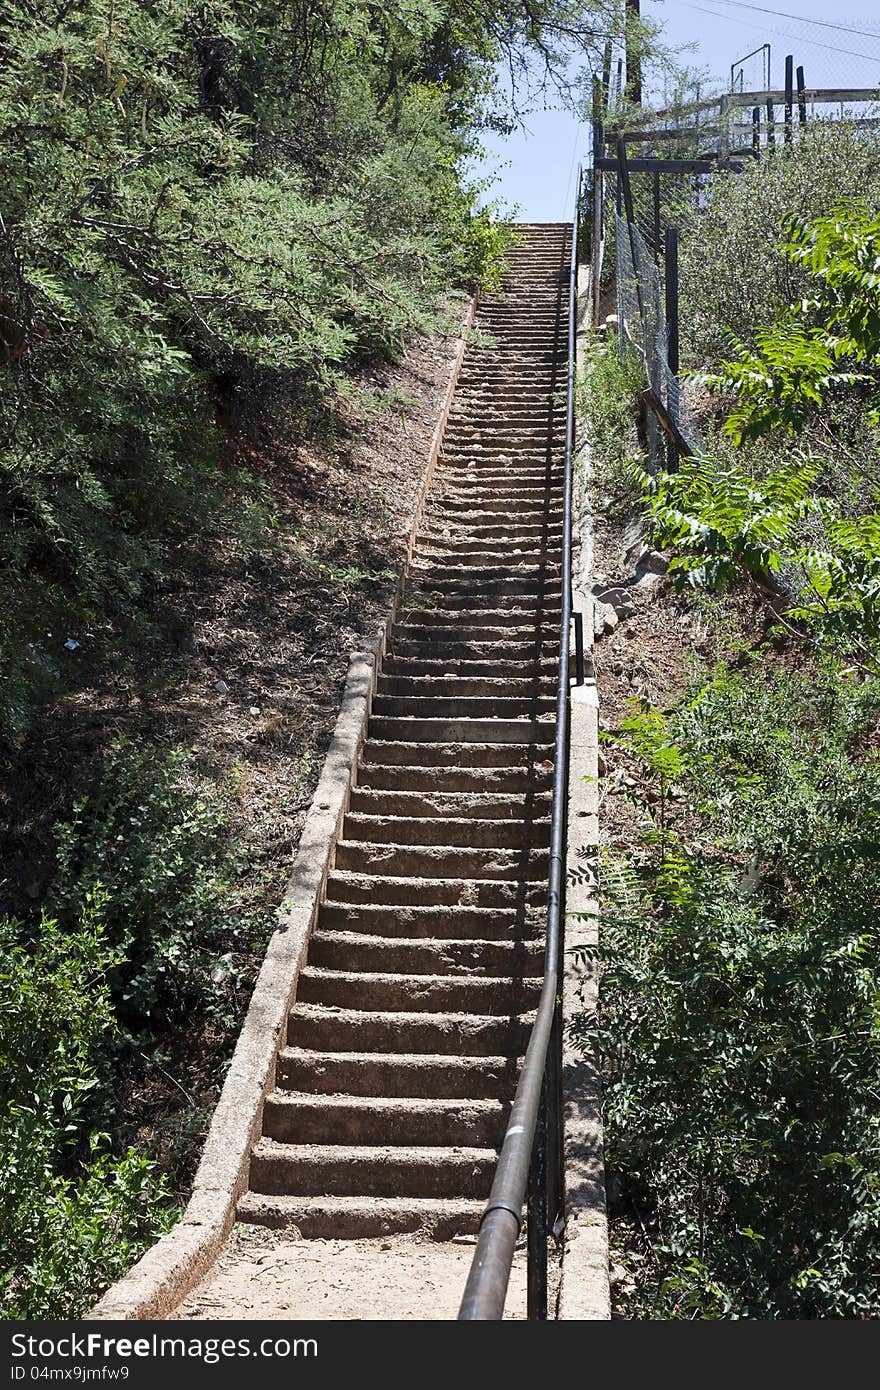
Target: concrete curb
x=584, y=1290
x=173, y=1266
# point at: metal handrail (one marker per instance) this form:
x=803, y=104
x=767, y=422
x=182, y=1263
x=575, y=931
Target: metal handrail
x=538, y=1094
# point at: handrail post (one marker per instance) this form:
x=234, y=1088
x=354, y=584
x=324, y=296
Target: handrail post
x=536, y=1233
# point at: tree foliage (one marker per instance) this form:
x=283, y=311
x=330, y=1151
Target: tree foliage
x=785, y=520
x=73, y=1216
x=733, y=279
x=198, y=194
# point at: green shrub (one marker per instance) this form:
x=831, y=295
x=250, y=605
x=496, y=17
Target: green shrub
x=73, y=1216
x=739, y=1037
x=748, y=515
x=151, y=835
x=608, y=392
x=732, y=277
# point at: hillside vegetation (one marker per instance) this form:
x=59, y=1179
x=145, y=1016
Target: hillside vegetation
x=739, y=1037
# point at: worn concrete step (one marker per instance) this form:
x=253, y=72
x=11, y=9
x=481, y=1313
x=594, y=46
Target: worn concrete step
x=455, y=559
x=483, y=525
x=448, y=831
x=471, y=471
x=427, y=645
x=483, y=416
x=516, y=525
x=463, y=707
x=469, y=667
x=437, y=804
x=492, y=532
x=478, y=422
x=471, y=479
x=458, y=686
x=488, y=453
x=299, y=1118
x=434, y=1076
x=386, y=1170
x=460, y=754
x=358, y=886
x=430, y=643
x=468, y=495
x=543, y=377
x=359, y=951
x=363, y=1218
x=533, y=555
x=526, y=615
x=317, y=1026
x=439, y=861
x=425, y=590
x=448, y=637
x=516, y=508
x=396, y=993
x=505, y=925
x=515, y=779
x=524, y=435
x=519, y=731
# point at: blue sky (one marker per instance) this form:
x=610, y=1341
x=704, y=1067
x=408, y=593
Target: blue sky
x=535, y=167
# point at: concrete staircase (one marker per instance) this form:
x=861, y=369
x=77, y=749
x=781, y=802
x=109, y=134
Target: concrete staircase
x=414, y=1007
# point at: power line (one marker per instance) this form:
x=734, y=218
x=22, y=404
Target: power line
x=802, y=19
x=784, y=33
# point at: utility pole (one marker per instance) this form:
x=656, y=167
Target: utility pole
x=634, y=51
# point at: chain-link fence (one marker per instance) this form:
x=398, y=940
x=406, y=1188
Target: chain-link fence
x=642, y=326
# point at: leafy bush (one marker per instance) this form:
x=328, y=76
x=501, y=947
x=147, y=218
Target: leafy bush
x=725, y=519
x=740, y=1037
x=148, y=932
x=607, y=406
x=72, y=1215
x=732, y=278
x=151, y=836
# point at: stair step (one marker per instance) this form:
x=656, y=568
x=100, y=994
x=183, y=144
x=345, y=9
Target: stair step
x=320, y=1026
x=363, y=1218
x=396, y=777
x=426, y=686
x=368, y=990
x=355, y=886
x=519, y=731
x=351, y=951
x=299, y=1118
x=476, y=805
x=381, y=1170
x=436, y=923
x=493, y=832
x=447, y=756
x=397, y=1074
x=441, y=861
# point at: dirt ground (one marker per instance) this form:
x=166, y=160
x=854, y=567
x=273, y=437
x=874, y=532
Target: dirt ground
x=273, y=1274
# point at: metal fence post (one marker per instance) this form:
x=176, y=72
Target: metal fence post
x=789, y=96
x=672, y=345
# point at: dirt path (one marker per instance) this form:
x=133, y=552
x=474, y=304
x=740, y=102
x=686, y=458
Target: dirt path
x=273, y=1275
